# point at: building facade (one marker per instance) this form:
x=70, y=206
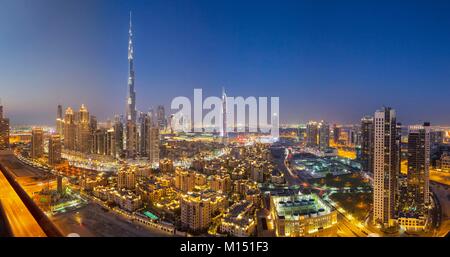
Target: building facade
x=418, y=178
x=385, y=167
x=367, y=148
x=37, y=143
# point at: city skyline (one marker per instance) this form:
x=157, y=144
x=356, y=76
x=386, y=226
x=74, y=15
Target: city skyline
x=363, y=149
x=309, y=71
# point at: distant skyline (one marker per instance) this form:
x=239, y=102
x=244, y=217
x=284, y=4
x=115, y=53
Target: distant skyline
x=330, y=60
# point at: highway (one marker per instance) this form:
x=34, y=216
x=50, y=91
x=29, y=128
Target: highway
x=19, y=217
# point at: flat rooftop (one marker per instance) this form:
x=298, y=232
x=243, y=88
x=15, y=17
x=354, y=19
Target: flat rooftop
x=292, y=206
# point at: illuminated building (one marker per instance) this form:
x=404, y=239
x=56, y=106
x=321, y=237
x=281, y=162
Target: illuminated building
x=418, y=166
x=184, y=180
x=69, y=130
x=415, y=222
x=151, y=191
x=131, y=97
x=166, y=165
x=312, y=134
x=200, y=179
x=238, y=220
x=131, y=139
x=257, y=172
x=99, y=142
x=297, y=215
x=220, y=183
x=197, y=209
x=37, y=143
x=336, y=134
x=198, y=164
x=144, y=127
x=161, y=117
x=60, y=121
x=126, y=178
x=223, y=131
x=445, y=162
x=130, y=126
x=127, y=200
x=83, y=131
x=54, y=149
x=153, y=144
x=277, y=177
x=437, y=137
x=59, y=184
x=111, y=142
x=385, y=167
x=367, y=144
x=118, y=135
x=324, y=136
x=4, y=130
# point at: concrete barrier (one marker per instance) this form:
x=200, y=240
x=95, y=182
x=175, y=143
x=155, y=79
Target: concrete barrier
x=46, y=224
x=5, y=228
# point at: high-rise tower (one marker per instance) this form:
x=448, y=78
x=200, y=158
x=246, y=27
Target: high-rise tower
x=130, y=125
x=69, y=130
x=4, y=130
x=223, y=132
x=324, y=135
x=131, y=96
x=312, y=134
x=418, y=166
x=367, y=144
x=385, y=167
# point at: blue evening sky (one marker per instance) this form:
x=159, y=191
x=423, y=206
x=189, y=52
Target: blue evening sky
x=332, y=60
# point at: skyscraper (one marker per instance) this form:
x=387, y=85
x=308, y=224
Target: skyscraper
x=69, y=130
x=223, y=132
x=111, y=142
x=418, y=179
x=4, y=130
x=59, y=121
x=144, y=126
x=131, y=139
x=336, y=133
x=153, y=144
x=385, y=167
x=83, y=131
x=37, y=143
x=118, y=131
x=161, y=117
x=130, y=126
x=131, y=97
x=367, y=144
x=324, y=135
x=312, y=134
x=54, y=149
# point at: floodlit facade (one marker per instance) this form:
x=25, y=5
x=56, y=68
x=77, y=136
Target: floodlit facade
x=197, y=209
x=367, y=144
x=418, y=179
x=37, y=143
x=297, y=215
x=4, y=130
x=54, y=149
x=239, y=219
x=385, y=167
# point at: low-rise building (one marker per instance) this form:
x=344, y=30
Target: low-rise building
x=239, y=219
x=197, y=209
x=295, y=214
